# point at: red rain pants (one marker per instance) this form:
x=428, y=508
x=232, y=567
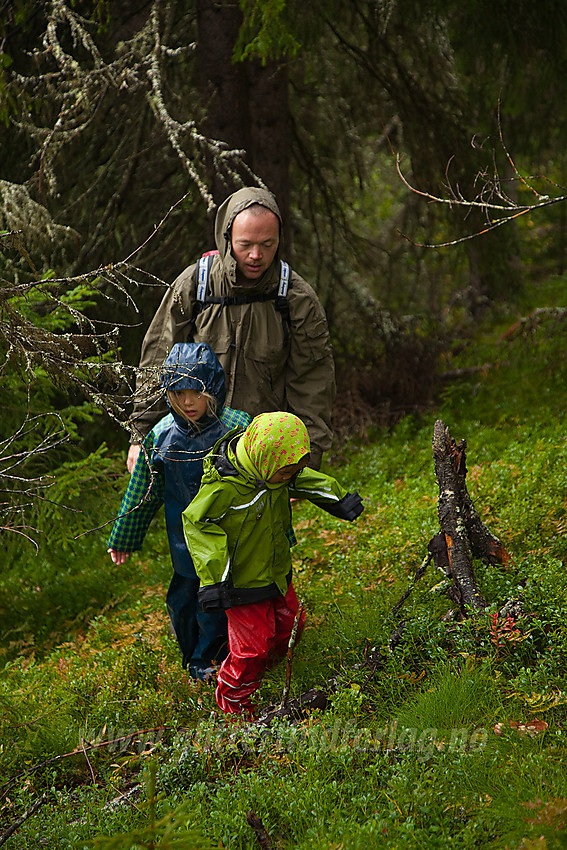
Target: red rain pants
x=258, y=636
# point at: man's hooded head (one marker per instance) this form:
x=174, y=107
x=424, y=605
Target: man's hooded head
x=247, y=235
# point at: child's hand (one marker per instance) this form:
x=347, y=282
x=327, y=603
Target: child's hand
x=133, y=453
x=118, y=557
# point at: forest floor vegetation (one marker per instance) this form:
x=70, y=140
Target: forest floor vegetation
x=457, y=737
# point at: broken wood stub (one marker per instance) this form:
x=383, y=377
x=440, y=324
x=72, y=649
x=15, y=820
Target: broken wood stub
x=454, y=509
x=264, y=840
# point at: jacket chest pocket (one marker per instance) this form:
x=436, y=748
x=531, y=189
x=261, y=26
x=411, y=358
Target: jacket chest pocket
x=264, y=336
x=217, y=334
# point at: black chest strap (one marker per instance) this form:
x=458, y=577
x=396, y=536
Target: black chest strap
x=279, y=297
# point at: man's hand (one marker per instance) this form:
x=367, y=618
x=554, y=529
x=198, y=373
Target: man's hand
x=118, y=557
x=133, y=453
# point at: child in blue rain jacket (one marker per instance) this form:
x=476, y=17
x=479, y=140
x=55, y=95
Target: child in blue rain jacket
x=168, y=471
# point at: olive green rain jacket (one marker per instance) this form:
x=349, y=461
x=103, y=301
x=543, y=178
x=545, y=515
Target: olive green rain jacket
x=237, y=527
x=264, y=372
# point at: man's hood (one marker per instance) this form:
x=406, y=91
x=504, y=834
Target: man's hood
x=194, y=366
x=227, y=212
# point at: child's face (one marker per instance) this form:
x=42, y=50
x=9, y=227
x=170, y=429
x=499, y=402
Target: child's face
x=286, y=472
x=192, y=403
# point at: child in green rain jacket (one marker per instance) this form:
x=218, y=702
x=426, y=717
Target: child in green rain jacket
x=237, y=529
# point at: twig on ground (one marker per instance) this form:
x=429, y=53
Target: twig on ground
x=417, y=575
x=17, y=824
x=131, y=737
x=87, y=760
x=289, y=658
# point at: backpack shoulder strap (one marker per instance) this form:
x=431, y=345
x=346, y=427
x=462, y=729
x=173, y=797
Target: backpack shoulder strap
x=285, y=275
x=203, y=273
x=281, y=303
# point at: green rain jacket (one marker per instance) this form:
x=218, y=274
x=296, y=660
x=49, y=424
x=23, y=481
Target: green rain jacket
x=264, y=372
x=237, y=528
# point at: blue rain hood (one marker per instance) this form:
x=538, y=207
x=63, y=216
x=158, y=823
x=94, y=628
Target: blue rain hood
x=194, y=366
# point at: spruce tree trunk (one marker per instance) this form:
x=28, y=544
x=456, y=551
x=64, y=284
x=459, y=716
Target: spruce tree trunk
x=246, y=105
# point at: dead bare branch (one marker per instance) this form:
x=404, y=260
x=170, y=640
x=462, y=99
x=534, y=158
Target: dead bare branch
x=85, y=747
x=492, y=199
x=27, y=814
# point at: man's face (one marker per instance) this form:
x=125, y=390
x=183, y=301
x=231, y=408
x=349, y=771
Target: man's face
x=255, y=239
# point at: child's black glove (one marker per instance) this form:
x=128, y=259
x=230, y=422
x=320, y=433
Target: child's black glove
x=349, y=507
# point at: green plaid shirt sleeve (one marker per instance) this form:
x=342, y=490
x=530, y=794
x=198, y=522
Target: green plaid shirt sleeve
x=142, y=500
x=235, y=418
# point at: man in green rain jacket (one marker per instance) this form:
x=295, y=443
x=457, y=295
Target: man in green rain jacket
x=270, y=363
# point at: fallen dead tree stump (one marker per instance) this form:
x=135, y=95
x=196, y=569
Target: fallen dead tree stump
x=463, y=535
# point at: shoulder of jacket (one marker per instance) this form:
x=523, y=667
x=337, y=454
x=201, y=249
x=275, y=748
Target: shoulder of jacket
x=215, y=497
x=185, y=281
x=313, y=477
x=164, y=423
x=300, y=288
x=303, y=300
